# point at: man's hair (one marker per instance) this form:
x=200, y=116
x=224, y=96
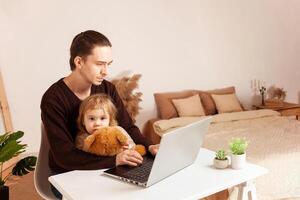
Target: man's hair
x=83, y=44
x=97, y=101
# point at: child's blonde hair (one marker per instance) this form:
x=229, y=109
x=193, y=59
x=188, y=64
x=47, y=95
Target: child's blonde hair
x=97, y=101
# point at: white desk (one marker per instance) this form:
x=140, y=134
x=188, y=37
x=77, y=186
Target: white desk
x=196, y=181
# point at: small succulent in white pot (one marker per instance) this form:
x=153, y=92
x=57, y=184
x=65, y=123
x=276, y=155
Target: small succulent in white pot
x=238, y=148
x=221, y=161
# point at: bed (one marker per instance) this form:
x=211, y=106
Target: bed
x=274, y=143
x=274, y=140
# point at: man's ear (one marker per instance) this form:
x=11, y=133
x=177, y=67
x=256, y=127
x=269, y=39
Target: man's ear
x=78, y=61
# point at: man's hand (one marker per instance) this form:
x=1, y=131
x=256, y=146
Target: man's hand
x=153, y=149
x=129, y=157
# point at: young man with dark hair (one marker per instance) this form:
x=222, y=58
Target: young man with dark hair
x=91, y=56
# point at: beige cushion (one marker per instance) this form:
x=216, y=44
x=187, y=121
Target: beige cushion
x=208, y=102
x=165, y=107
x=188, y=107
x=227, y=103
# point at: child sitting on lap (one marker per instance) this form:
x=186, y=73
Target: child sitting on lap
x=95, y=112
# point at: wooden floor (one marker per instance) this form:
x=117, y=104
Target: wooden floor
x=22, y=188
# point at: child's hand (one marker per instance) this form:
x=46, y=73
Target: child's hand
x=153, y=149
x=129, y=145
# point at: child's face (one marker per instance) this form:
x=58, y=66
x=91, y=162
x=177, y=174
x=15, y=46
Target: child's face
x=94, y=119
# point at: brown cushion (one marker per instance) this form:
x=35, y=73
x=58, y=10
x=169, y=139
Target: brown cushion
x=208, y=102
x=165, y=107
x=227, y=103
x=190, y=106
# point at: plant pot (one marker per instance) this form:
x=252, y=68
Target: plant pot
x=221, y=164
x=238, y=161
x=4, y=192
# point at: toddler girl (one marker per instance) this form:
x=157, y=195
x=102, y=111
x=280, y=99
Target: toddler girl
x=95, y=112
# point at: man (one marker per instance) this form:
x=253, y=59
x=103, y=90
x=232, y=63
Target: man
x=91, y=56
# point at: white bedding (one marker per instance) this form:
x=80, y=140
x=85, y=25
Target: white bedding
x=274, y=143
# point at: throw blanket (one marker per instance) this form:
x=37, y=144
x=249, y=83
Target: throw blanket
x=274, y=143
x=163, y=126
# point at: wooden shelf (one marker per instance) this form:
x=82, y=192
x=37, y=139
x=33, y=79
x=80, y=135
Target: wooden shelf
x=285, y=108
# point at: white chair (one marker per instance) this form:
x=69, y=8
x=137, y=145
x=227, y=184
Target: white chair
x=42, y=170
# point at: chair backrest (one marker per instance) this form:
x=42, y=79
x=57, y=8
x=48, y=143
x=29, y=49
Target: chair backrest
x=42, y=170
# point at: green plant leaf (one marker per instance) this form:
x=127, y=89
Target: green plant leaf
x=15, y=135
x=3, y=138
x=7, y=137
x=238, y=146
x=221, y=154
x=11, y=149
x=24, y=166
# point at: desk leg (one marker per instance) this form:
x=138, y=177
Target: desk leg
x=247, y=190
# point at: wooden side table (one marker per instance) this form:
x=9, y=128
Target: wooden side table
x=285, y=108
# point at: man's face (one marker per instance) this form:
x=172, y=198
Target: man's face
x=95, y=119
x=94, y=66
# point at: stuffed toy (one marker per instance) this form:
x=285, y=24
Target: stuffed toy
x=109, y=141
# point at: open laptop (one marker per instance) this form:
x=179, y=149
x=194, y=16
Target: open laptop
x=178, y=149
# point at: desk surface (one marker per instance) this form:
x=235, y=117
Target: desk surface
x=196, y=181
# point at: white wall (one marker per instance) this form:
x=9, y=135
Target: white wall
x=175, y=45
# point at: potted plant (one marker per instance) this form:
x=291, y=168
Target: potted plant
x=10, y=147
x=221, y=160
x=238, y=148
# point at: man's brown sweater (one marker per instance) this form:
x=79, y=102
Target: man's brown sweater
x=59, y=112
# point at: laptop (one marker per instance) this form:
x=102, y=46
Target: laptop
x=178, y=149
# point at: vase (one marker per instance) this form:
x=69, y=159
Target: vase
x=221, y=164
x=238, y=161
x=263, y=100
x=4, y=192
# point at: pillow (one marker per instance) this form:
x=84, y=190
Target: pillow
x=227, y=103
x=167, y=110
x=165, y=107
x=189, y=107
x=208, y=102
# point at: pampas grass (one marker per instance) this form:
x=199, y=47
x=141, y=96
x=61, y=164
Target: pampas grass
x=126, y=88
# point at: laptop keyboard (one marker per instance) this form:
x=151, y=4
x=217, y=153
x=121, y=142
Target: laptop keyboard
x=134, y=174
x=141, y=172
